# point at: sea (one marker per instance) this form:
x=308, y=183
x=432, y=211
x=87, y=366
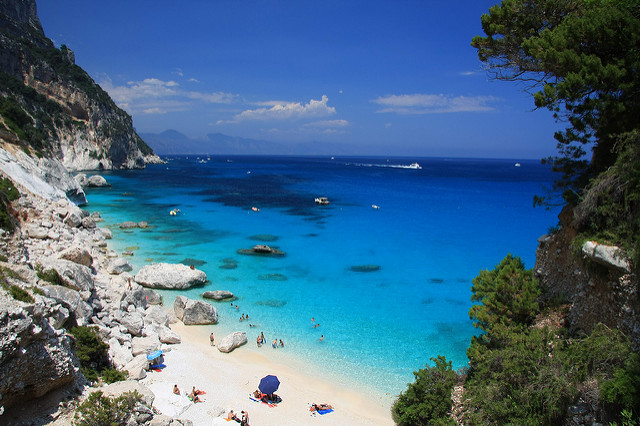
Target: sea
x=371, y=286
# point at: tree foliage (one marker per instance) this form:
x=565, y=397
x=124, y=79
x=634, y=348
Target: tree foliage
x=581, y=60
x=427, y=400
x=507, y=295
x=101, y=410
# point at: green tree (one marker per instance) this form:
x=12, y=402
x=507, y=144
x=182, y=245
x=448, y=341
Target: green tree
x=427, y=400
x=581, y=60
x=507, y=294
x=101, y=410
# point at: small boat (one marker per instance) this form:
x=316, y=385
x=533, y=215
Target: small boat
x=174, y=212
x=414, y=166
x=517, y=164
x=375, y=206
x=255, y=209
x=323, y=201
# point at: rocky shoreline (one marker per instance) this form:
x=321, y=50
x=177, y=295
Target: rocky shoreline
x=37, y=355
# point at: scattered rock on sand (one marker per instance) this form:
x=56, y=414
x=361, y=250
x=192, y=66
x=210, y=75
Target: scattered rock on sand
x=170, y=276
x=232, y=341
x=118, y=266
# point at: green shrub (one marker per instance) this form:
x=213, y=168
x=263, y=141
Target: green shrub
x=92, y=352
x=50, y=275
x=428, y=399
x=3, y=258
x=101, y=410
x=112, y=375
x=20, y=294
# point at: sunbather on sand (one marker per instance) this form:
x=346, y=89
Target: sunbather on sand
x=320, y=407
x=176, y=390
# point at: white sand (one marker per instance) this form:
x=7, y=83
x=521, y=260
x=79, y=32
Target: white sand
x=228, y=379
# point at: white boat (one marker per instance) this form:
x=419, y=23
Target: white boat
x=375, y=206
x=517, y=164
x=323, y=201
x=414, y=166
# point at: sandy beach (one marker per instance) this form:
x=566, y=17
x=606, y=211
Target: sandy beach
x=229, y=378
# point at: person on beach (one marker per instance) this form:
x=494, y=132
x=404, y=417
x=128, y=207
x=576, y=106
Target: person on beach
x=212, y=339
x=176, y=390
x=319, y=407
x=259, y=341
x=245, y=419
x=231, y=415
x=262, y=339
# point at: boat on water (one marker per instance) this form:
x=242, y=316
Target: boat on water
x=414, y=166
x=323, y=201
x=174, y=212
x=375, y=206
x=517, y=164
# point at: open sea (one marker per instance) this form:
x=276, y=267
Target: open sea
x=435, y=229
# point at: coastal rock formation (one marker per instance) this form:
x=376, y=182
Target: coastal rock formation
x=97, y=181
x=262, y=250
x=218, y=295
x=170, y=276
x=76, y=120
x=77, y=254
x=232, y=341
x=193, y=312
x=34, y=358
x=596, y=290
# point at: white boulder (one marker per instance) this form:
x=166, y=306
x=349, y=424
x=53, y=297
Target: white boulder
x=170, y=276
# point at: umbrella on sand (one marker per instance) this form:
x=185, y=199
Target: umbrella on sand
x=269, y=384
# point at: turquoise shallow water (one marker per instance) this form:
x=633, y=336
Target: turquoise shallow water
x=435, y=229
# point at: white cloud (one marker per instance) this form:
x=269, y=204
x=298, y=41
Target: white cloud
x=434, y=104
x=288, y=110
x=155, y=96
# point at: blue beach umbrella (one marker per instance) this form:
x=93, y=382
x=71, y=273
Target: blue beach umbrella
x=154, y=355
x=269, y=384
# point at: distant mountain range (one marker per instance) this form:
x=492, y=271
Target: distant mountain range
x=172, y=142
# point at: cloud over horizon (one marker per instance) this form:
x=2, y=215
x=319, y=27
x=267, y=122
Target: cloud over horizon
x=288, y=110
x=155, y=96
x=433, y=104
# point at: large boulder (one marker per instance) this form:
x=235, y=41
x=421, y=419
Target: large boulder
x=194, y=312
x=34, y=358
x=74, y=275
x=137, y=367
x=156, y=314
x=72, y=300
x=170, y=276
x=152, y=296
x=118, y=388
x=77, y=254
x=218, y=295
x=97, y=181
x=133, y=322
x=232, y=341
x=118, y=266
x=609, y=256
x=144, y=345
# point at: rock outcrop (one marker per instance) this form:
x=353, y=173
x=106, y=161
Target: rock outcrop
x=193, y=312
x=170, y=276
x=67, y=114
x=596, y=282
x=232, y=341
x=218, y=295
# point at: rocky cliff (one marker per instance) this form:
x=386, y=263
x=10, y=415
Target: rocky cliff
x=51, y=108
x=596, y=281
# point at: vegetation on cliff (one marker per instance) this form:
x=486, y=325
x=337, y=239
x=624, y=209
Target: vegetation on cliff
x=47, y=101
x=581, y=60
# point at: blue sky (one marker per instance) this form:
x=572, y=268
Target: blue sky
x=394, y=77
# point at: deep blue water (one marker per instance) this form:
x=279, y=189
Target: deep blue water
x=435, y=229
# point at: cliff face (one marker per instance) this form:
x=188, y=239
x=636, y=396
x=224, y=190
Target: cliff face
x=597, y=291
x=52, y=108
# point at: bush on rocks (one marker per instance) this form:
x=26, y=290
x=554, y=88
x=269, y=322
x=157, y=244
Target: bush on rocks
x=99, y=409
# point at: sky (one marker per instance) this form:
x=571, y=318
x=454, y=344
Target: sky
x=396, y=77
